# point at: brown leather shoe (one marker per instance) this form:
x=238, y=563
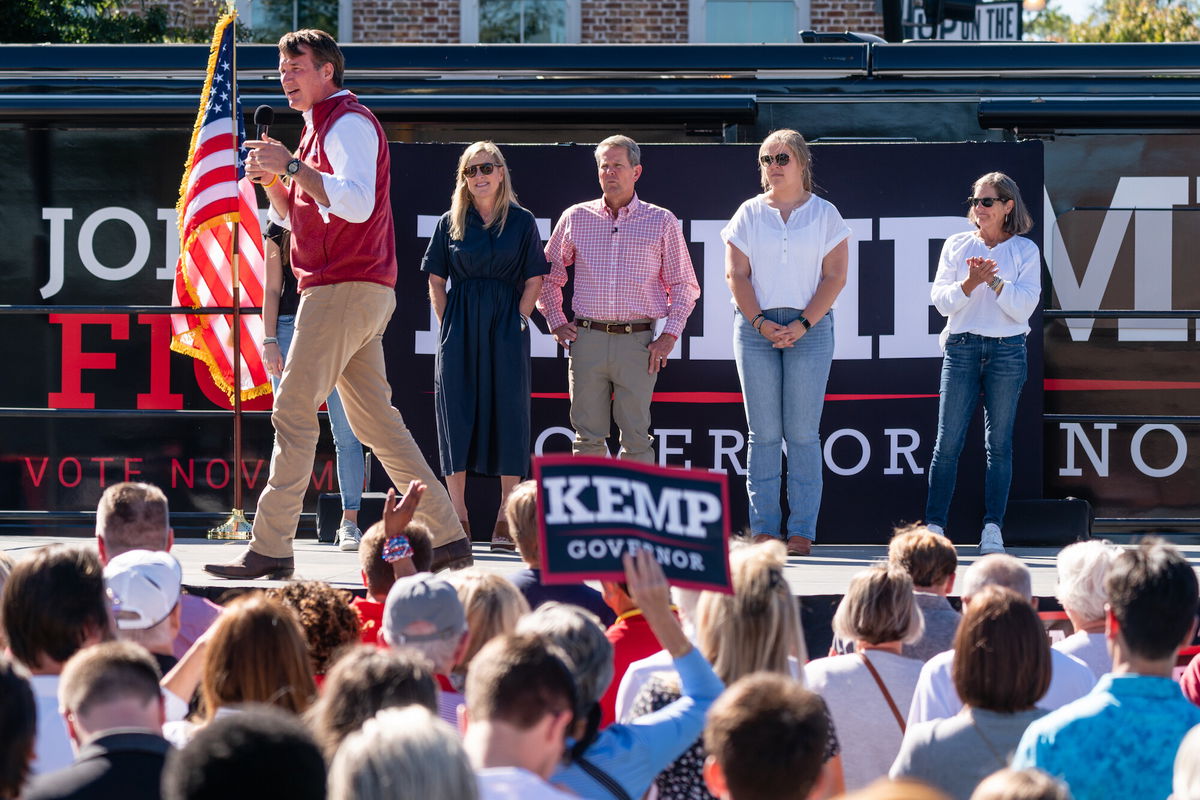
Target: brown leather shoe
x=759, y=538
x=455, y=555
x=799, y=546
x=501, y=540
x=254, y=565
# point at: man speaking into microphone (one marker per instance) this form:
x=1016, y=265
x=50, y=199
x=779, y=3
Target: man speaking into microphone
x=333, y=195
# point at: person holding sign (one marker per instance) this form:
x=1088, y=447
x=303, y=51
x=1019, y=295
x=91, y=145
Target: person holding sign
x=632, y=268
x=988, y=284
x=485, y=266
x=786, y=254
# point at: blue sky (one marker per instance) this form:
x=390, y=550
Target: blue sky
x=1077, y=9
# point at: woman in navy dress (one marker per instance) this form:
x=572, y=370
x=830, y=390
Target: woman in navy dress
x=485, y=265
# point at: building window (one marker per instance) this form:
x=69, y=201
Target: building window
x=520, y=21
x=267, y=20
x=757, y=21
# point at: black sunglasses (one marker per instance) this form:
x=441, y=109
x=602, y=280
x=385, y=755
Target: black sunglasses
x=986, y=202
x=486, y=169
x=783, y=159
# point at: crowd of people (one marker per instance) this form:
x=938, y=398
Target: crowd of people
x=465, y=684
x=446, y=682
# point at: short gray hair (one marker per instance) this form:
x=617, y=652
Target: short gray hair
x=1082, y=568
x=439, y=651
x=998, y=569
x=580, y=637
x=879, y=607
x=620, y=140
x=402, y=752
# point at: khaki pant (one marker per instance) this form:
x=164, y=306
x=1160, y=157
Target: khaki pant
x=339, y=342
x=610, y=380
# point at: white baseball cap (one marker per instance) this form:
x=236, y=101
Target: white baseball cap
x=144, y=586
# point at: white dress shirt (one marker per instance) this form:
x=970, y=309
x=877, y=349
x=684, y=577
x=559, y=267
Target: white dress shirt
x=983, y=312
x=350, y=145
x=785, y=257
x=936, y=697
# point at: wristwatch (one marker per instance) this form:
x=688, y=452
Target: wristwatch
x=293, y=167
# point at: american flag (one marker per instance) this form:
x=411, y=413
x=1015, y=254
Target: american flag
x=215, y=200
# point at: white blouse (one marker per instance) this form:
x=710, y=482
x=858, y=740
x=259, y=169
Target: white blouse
x=983, y=312
x=785, y=257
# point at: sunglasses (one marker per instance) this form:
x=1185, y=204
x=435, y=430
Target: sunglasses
x=986, y=202
x=783, y=159
x=486, y=169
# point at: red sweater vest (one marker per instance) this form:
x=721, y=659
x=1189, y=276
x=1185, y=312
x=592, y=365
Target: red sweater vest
x=338, y=251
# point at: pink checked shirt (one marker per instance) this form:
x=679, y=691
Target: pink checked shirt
x=634, y=267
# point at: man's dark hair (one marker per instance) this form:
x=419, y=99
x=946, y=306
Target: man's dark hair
x=107, y=672
x=1153, y=593
x=261, y=752
x=323, y=47
x=18, y=720
x=52, y=601
x=365, y=680
x=518, y=679
x=768, y=734
x=132, y=516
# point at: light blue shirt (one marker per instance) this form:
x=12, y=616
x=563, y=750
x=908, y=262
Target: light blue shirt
x=634, y=753
x=1119, y=740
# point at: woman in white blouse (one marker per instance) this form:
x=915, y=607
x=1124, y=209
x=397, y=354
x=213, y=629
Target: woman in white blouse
x=786, y=253
x=988, y=284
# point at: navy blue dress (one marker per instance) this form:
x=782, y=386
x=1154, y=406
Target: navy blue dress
x=481, y=381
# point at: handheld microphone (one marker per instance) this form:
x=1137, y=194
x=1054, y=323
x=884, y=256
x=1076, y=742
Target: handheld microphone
x=263, y=117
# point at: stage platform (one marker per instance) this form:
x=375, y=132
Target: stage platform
x=824, y=573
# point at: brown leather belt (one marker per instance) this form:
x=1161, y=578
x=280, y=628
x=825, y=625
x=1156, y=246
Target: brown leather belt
x=614, y=327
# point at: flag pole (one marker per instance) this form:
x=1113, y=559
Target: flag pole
x=236, y=526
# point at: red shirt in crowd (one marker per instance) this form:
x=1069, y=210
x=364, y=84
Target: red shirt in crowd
x=632, y=640
x=370, y=617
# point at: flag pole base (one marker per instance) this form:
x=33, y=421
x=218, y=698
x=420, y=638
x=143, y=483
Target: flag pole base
x=235, y=527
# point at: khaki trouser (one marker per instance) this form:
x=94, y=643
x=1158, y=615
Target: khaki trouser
x=339, y=342
x=610, y=380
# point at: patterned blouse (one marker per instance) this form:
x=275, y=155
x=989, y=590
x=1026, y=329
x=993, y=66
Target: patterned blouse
x=684, y=779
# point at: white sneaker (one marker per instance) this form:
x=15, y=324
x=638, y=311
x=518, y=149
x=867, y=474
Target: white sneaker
x=933, y=527
x=990, y=540
x=348, y=536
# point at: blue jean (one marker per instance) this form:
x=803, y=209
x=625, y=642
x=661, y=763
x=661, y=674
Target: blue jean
x=973, y=363
x=351, y=467
x=784, y=392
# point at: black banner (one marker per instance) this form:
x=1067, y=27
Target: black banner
x=594, y=511
x=89, y=230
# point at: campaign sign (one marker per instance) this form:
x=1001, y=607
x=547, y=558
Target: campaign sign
x=592, y=511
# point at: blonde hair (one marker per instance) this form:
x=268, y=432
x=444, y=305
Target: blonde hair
x=521, y=513
x=792, y=140
x=1082, y=568
x=402, y=752
x=460, y=199
x=879, y=608
x=492, y=605
x=757, y=627
x=1018, y=220
x=1020, y=784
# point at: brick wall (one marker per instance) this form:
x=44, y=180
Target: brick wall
x=196, y=15
x=839, y=15
x=634, y=21
x=430, y=21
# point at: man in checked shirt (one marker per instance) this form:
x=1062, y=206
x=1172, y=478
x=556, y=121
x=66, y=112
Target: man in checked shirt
x=632, y=268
